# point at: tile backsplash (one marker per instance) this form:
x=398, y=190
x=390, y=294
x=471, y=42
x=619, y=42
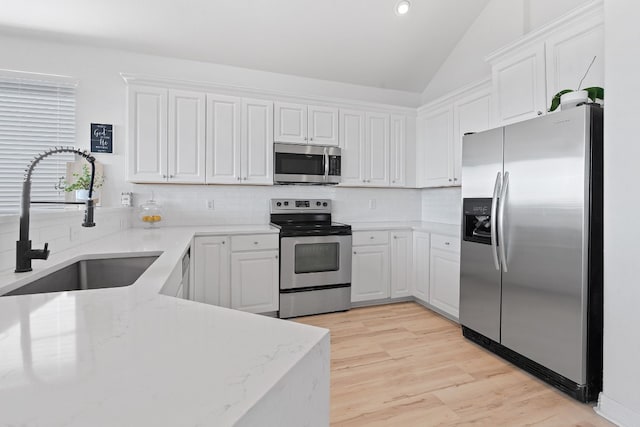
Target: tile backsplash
x=185, y=205
x=442, y=205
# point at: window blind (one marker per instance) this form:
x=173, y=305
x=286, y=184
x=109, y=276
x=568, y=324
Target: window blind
x=35, y=115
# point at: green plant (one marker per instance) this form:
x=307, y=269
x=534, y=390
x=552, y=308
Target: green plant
x=83, y=180
x=593, y=93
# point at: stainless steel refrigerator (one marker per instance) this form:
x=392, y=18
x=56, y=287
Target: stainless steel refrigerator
x=531, y=252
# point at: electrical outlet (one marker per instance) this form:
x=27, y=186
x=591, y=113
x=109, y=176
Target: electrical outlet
x=210, y=205
x=372, y=203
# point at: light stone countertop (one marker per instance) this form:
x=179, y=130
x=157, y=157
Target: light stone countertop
x=430, y=227
x=133, y=357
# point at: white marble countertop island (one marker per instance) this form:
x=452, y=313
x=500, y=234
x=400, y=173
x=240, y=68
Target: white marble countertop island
x=133, y=357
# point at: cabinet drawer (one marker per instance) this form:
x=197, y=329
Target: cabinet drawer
x=445, y=243
x=361, y=238
x=254, y=242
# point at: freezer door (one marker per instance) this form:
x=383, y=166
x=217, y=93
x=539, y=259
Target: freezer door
x=544, y=287
x=481, y=161
x=479, y=278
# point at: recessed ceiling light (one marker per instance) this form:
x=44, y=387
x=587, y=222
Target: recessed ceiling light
x=402, y=7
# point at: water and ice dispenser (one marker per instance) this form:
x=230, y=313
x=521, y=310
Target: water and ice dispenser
x=477, y=220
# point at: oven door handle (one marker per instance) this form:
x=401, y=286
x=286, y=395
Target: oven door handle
x=326, y=164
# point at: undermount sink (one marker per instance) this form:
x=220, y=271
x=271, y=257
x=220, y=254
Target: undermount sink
x=89, y=274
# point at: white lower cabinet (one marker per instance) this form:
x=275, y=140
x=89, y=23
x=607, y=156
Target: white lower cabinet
x=254, y=281
x=240, y=272
x=421, y=260
x=401, y=264
x=370, y=273
x=211, y=281
x=444, y=289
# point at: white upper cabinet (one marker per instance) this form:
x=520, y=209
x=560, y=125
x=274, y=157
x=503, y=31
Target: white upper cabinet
x=435, y=161
x=470, y=114
x=376, y=154
x=519, y=90
x=306, y=124
x=186, y=137
x=257, y=141
x=290, y=123
x=527, y=73
x=569, y=54
x=352, y=137
x=397, y=151
x=239, y=140
x=322, y=125
x=147, y=123
x=224, y=130
x=166, y=135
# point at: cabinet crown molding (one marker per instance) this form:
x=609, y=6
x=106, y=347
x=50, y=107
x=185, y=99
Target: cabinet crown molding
x=449, y=97
x=267, y=94
x=591, y=10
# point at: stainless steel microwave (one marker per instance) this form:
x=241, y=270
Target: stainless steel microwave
x=306, y=164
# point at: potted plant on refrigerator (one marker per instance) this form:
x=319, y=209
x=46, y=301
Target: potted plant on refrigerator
x=571, y=98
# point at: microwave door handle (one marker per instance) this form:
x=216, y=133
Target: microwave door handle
x=326, y=164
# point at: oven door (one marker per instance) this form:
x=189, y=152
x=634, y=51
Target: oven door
x=308, y=261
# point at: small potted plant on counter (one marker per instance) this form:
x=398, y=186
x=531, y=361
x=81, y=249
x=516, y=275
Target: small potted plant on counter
x=568, y=98
x=82, y=183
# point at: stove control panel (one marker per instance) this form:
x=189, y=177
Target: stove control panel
x=300, y=205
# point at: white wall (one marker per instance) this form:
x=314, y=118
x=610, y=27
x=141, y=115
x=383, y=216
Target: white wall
x=101, y=92
x=620, y=400
x=501, y=22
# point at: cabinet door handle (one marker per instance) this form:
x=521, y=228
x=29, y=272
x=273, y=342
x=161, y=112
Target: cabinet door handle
x=255, y=243
x=447, y=243
x=455, y=179
x=355, y=253
x=245, y=178
x=239, y=178
x=450, y=180
x=539, y=113
x=170, y=176
x=305, y=138
x=223, y=242
x=371, y=237
x=311, y=139
x=276, y=256
x=164, y=176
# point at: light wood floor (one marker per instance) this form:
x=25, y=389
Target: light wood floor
x=403, y=365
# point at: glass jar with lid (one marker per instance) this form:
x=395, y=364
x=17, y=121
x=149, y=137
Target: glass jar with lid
x=150, y=213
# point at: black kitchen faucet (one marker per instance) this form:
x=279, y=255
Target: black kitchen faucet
x=24, y=253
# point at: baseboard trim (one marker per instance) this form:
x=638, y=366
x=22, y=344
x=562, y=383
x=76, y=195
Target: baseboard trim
x=436, y=309
x=386, y=301
x=383, y=301
x=616, y=413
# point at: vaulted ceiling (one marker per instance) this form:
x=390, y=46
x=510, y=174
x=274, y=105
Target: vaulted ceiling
x=353, y=41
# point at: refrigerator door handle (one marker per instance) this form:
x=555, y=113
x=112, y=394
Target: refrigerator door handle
x=502, y=202
x=494, y=231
